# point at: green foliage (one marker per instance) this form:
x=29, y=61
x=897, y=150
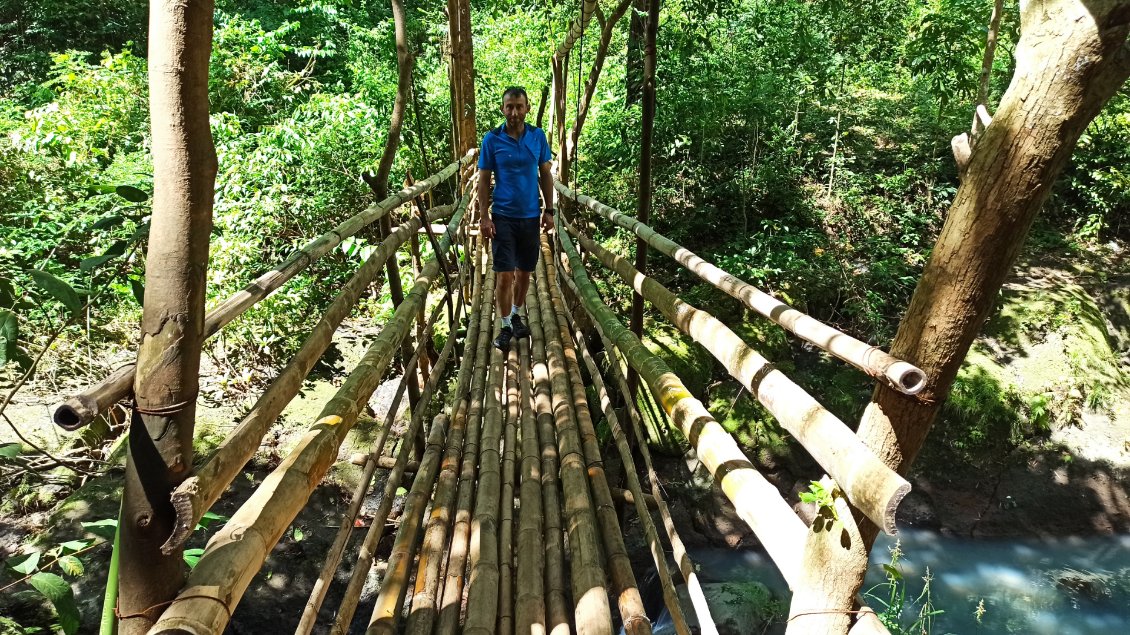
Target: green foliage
x=902, y=615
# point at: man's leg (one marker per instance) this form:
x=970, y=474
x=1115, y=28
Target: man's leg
x=504, y=294
x=521, y=286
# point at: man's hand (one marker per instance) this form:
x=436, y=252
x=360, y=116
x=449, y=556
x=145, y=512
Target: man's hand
x=486, y=227
x=547, y=220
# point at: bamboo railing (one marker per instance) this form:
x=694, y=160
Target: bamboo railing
x=900, y=375
x=79, y=410
x=237, y=551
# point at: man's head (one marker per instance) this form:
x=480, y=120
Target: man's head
x=515, y=105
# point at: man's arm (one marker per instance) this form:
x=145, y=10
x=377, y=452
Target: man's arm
x=482, y=198
x=545, y=180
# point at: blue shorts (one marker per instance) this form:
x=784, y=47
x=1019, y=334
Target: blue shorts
x=516, y=243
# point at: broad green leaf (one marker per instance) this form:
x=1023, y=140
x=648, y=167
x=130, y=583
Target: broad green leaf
x=102, y=528
x=57, y=590
x=10, y=450
x=9, y=335
x=210, y=517
x=115, y=250
x=72, y=546
x=104, y=189
x=131, y=194
x=299, y=535
x=108, y=222
x=28, y=565
x=400, y=491
x=192, y=556
x=71, y=565
x=57, y=288
x=138, y=288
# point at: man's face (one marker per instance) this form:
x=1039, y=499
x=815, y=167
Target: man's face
x=515, y=109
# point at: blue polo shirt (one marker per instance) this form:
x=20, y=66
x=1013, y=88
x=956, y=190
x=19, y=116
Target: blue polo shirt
x=515, y=165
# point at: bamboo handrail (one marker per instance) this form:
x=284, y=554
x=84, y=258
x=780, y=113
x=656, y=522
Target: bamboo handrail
x=429, y=575
x=678, y=549
x=453, y=579
x=80, y=409
x=193, y=497
x=352, y=595
x=576, y=28
x=236, y=552
x=556, y=598
x=591, y=611
x=872, y=486
x=629, y=602
x=901, y=375
x=756, y=501
x=333, y=555
x=634, y=494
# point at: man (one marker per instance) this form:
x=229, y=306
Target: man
x=517, y=157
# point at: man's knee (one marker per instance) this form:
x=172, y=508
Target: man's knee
x=504, y=277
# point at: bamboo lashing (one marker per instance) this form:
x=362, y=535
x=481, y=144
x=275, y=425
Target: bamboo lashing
x=556, y=597
x=452, y=579
x=678, y=549
x=79, y=410
x=872, y=486
x=236, y=552
x=629, y=602
x=591, y=613
x=333, y=556
x=755, y=500
x=901, y=375
x=429, y=576
x=193, y=497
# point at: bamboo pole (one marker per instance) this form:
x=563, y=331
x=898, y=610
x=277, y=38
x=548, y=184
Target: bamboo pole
x=530, y=597
x=901, y=375
x=79, y=410
x=423, y=611
x=452, y=600
x=352, y=596
x=394, y=585
x=632, y=613
x=678, y=549
x=591, y=609
x=871, y=486
x=634, y=495
x=756, y=501
x=199, y=492
x=482, y=587
x=506, y=503
x=576, y=29
x=556, y=599
x=371, y=462
x=237, y=551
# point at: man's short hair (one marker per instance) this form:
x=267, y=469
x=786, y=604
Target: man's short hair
x=515, y=92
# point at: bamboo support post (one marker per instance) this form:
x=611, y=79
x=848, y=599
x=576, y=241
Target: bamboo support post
x=333, y=556
x=556, y=597
x=755, y=500
x=236, y=552
x=394, y=585
x=678, y=549
x=426, y=595
x=871, y=486
x=352, y=596
x=901, y=375
x=80, y=409
x=453, y=582
x=529, y=607
x=482, y=586
x=591, y=612
x=200, y=491
x=632, y=613
x=506, y=503
x=634, y=494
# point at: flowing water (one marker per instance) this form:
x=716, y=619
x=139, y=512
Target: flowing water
x=1064, y=586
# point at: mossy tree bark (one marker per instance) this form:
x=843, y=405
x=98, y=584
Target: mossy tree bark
x=172, y=326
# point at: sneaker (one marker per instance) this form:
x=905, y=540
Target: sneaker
x=502, y=342
x=520, y=328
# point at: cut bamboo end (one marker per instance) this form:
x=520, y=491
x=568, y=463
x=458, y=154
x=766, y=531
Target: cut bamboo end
x=905, y=377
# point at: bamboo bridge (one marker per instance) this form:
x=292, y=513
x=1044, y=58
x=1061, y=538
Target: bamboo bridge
x=510, y=524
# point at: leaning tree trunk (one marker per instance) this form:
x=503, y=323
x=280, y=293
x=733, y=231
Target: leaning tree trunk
x=1071, y=58
x=172, y=326
x=462, y=76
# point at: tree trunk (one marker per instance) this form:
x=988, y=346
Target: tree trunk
x=462, y=75
x=633, y=77
x=172, y=327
